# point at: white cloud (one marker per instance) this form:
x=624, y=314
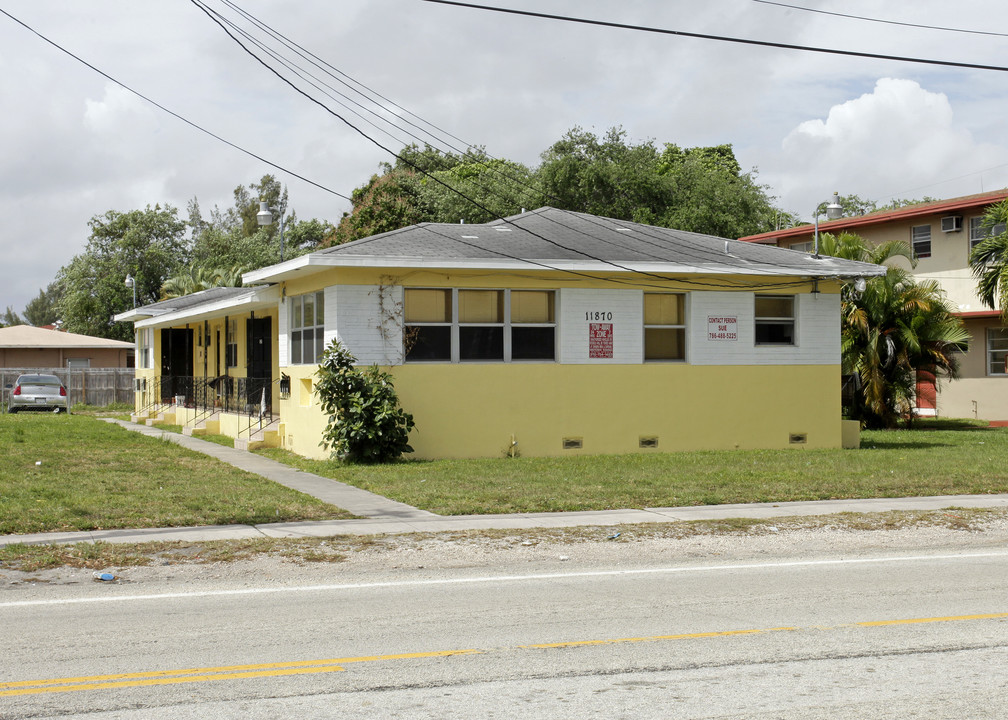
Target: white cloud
x=898, y=140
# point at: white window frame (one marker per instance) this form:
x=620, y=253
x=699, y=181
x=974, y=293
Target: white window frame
x=917, y=239
x=145, y=348
x=807, y=247
x=999, y=334
x=296, y=302
x=978, y=233
x=767, y=320
x=507, y=327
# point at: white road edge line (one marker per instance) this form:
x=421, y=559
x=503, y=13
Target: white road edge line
x=498, y=578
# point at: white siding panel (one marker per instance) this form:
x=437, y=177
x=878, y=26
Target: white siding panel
x=817, y=330
x=283, y=333
x=368, y=324
x=627, y=319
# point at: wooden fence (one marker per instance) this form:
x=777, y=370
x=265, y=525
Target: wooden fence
x=91, y=386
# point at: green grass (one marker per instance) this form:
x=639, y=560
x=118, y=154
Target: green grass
x=76, y=472
x=939, y=458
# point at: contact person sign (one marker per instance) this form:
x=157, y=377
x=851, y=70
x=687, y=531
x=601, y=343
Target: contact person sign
x=722, y=328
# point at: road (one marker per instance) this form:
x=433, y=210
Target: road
x=803, y=632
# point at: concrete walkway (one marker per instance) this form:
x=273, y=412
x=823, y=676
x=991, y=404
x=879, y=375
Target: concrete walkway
x=384, y=516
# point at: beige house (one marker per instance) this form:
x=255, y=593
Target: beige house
x=942, y=234
x=25, y=346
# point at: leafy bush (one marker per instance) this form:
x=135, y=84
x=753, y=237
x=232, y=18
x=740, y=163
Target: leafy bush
x=366, y=423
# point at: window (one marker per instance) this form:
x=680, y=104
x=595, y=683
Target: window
x=481, y=324
x=664, y=326
x=997, y=351
x=145, y=347
x=231, y=351
x=78, y=363
x=979, y=233
x=428, y=329
x=920, y=237
x=307, y=323
x=533, y=325
x=469, y=325
x=808, y=246
x=775, y=319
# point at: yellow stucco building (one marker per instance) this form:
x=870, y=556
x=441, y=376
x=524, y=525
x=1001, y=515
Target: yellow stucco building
x=546, y=333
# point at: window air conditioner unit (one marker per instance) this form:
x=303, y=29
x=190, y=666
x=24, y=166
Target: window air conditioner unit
x=951, y=223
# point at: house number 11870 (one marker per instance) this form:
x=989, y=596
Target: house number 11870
x=598, y=315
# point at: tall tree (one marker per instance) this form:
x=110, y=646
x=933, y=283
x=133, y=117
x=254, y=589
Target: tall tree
x=893, y=329
x=989, y=259
x=9, y=318
x=43, y=308
x=148, y=244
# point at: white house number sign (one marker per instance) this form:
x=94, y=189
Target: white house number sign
x=722, y=328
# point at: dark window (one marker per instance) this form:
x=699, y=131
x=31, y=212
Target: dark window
x=429, y=342
x=533, y=343
x=775, y=322
x=920, y=236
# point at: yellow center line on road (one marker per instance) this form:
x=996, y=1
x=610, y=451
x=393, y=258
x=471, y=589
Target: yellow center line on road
x=230, y=672
x=655, y=638
x=914, y=621
x=307, y=667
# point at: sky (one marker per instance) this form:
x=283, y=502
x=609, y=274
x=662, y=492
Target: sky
x=76, y=144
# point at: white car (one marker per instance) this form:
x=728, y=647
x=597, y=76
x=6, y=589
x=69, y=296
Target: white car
x=38, y=392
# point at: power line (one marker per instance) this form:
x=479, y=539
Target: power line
x=213, y=16
x=878, y=20
x=172, y=112
x=722, y=38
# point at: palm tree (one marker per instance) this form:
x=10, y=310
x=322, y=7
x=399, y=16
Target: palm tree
x=891, y=331
x=201, y=278
x=989, y=260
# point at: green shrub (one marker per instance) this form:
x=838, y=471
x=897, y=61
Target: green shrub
x=365, y=424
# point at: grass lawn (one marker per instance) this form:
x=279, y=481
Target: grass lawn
x=76, y=472
x=938, y=458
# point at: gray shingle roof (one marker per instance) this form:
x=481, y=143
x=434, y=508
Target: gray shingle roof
x=548, y=234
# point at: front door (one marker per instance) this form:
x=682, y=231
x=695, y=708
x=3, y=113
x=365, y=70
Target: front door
x=176, y=362
x=260, y=363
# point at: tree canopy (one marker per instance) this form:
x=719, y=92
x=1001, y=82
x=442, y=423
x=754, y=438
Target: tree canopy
x=148, y=244
x=698, y=189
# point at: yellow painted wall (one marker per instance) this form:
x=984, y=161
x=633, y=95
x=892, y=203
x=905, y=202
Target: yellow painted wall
x=472, y=410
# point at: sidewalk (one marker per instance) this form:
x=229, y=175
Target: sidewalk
x=383, y=516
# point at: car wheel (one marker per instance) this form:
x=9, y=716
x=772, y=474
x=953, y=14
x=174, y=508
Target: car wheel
x=12, y=410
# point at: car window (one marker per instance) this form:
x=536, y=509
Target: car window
x=39, y=380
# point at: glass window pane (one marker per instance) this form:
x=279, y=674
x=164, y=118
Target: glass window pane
x=428, y=342
x=664, y=344
x=424, y=305
x=770, y=306
x=481, y=306
x=774, y=333
x=320, y=308
x=532, y=306
x=295, y=321
x=295, y=357
x=533, y=343
x=319, y=345
x=309, y=310
x=481, y=343
x=664, y=308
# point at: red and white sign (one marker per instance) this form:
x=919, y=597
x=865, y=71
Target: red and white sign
x=600, y=340
x=722, y=328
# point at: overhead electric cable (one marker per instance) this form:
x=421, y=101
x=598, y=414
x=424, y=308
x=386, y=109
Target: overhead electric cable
x=172, y=112
x=721, y=38
x=209, y=13
x=879, y=20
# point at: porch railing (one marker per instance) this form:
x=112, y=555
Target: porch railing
x=249, y=397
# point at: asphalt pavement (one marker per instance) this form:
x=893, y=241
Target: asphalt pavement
x=380, y=515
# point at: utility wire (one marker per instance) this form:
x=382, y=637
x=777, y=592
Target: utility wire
x=211, y=14
x=721, y=38
x=878, y=20
x=172, y=112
